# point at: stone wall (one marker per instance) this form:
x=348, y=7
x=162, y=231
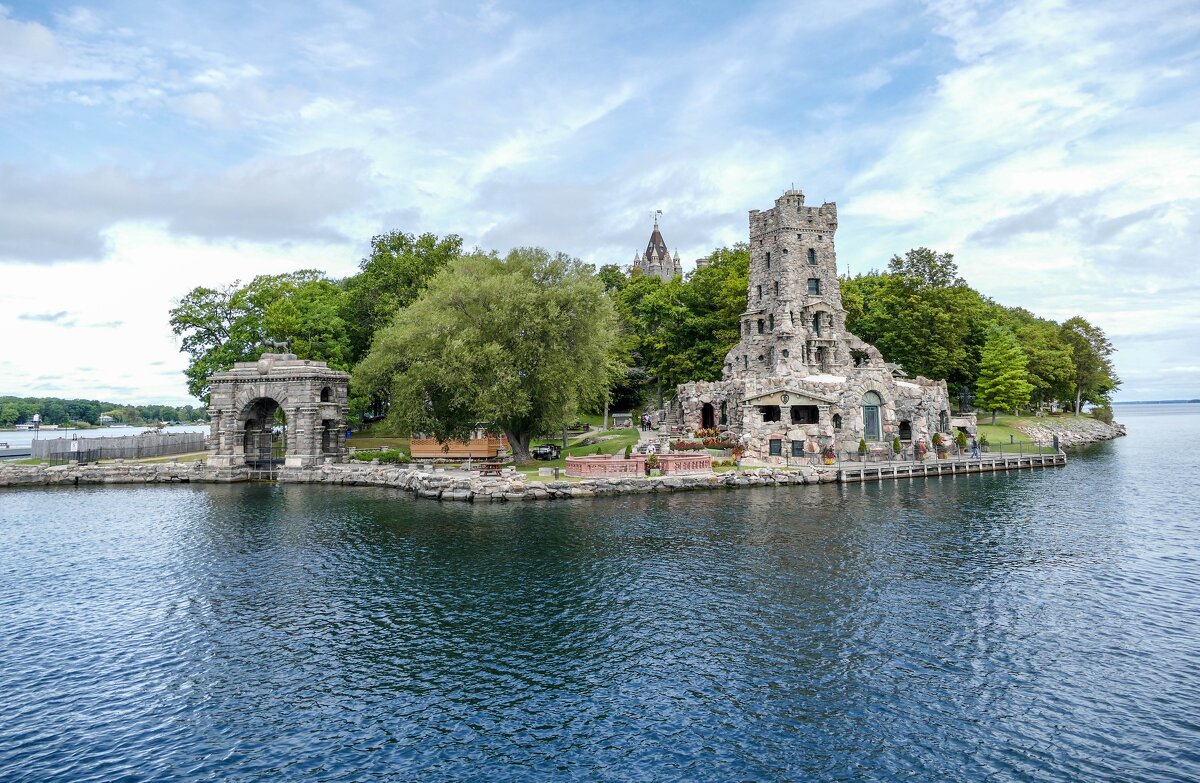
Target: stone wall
x=116, y=473
x=1071, y=431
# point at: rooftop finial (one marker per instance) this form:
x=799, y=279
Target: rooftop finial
x=657, y=212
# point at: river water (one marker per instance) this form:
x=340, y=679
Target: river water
x=1036, y=626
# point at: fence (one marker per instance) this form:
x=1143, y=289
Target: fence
x=151, y=444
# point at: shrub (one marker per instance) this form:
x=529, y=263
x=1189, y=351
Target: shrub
x=896, y=445
x=983, y=439
x=391, y=456
x=1103, y=413
x=718, y=443
x=628, y=452
x=686, y=445
x=862, y=445
x=652, y=461
x=708, y=432
x=960, y=439
x=937, y=439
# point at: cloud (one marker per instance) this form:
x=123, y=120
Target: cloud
x=48, y=217
x=49, y=318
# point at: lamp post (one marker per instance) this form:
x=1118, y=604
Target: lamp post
x=37, y=423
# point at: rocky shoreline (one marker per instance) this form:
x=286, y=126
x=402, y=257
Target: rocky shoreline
x=420, y=482
x=1071, y=431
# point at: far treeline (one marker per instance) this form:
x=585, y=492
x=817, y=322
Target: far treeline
x=54, y=410
x=442, y=341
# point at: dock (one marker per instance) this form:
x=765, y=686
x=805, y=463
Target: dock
x=855, y=472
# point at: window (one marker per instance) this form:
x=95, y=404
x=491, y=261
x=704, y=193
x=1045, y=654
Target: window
x=724, y=413
x=776, y=448
x=760, y=326
x=797, y=448
x=805, y=414
x=817, y=324
x=944, y=421
x=746, y=362
x=792, y=315
x=771, y=321
x=871, y=421
x=768, y=259
x=814, y=287
x=758, y=291
x=812, y=256
x=786, y=353
x=837, y=421
x=776, y=288
x=769, y=412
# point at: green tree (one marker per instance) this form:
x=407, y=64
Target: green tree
x=1094, y=379
x=1002, y=383
x=1051, y=365
x=221, y=326
x=920, y=314
x=398, y=269
x=10, y=414
x=520, y=342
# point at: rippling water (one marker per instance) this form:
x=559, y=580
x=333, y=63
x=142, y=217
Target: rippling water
x=1040, y=626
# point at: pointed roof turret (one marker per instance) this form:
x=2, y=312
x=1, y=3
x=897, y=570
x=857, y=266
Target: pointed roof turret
x=656, y=248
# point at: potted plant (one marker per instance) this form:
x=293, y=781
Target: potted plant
x=897, y=447
x=983, y=443
x=652, y=465
x=862, y=449
x=960, y=440
x=828, y=455
x=940, y=446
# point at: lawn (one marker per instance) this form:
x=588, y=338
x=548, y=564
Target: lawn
x=614, y=441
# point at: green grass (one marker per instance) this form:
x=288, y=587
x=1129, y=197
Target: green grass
x=614, y=441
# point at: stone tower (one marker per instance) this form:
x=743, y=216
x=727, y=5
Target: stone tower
x=657, y=260
x=794, y=324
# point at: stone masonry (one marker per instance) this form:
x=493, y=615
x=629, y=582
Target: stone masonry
x=797, y=375
x=657, y=259
x=242, y=409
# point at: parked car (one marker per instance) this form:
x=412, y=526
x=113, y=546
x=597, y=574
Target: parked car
x=546, y=451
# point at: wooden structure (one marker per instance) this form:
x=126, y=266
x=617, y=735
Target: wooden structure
x=855, y=472
x=482, y=445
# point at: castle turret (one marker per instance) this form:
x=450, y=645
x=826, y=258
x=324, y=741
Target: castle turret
x=657, y=260
x=794, y=323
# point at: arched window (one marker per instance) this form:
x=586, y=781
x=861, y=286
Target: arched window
x=786, y=353
x=326, y=394
x=768, y=259
x=837, y=421
x=771, y=321
x=872, y=425
x=812, y=256
x=724, y=414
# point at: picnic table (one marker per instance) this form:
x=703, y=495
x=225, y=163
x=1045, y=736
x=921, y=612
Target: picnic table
x=491, y=468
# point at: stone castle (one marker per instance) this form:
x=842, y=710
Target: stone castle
x=798, y=381
x=657, y=260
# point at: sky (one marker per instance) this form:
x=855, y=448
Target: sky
x=150, y=147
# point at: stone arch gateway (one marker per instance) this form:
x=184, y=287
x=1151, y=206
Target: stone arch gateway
x=243, y=401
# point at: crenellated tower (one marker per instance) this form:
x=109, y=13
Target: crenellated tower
x=794, y=324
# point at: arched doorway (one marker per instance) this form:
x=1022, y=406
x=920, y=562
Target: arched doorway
x=872, y=424
x=264, y=433
x=906, y=430
x=707, y=417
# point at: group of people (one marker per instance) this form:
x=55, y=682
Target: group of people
x=646, y=422
x=919, y=449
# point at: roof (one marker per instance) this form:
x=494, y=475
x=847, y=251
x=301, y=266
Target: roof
x=656, y=248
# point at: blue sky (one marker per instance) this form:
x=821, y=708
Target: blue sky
x=146, y=148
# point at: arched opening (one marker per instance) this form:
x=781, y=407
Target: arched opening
x=761, y=324
x=906, y=430
x=707, y=417
x=837, y=422
x=872, y=424
x=771, y=321
x=724, y=413
x=264, y=433
x=326, y=394
x=944, y=421
x=329, y=440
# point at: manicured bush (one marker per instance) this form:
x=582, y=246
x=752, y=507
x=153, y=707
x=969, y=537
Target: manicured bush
x=390, y=456
x=1103, y=413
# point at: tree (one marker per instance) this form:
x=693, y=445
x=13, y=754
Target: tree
x=1091, y=352
x=1051, y=366
x=1002, y=383
x=920, y=314
x=518, y=343
x=10, y=414
x=221, y=326
x=398, y=269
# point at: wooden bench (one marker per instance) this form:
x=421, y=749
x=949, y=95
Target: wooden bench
x=491, y=468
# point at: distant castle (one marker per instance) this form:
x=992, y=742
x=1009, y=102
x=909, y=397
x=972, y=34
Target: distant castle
x=657, y=260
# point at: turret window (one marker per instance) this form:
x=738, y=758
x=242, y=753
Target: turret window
x=814, y=287
x=776, y=288
x=812, y=256
x=760, y=326
x=758, y=291
x=771, y=321
x=768, y=259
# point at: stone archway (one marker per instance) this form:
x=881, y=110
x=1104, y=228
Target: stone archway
x=243, y=403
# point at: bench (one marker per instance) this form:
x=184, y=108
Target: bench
x=491, y=468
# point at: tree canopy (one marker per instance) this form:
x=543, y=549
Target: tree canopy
x=518, y=343
x=1003, y=383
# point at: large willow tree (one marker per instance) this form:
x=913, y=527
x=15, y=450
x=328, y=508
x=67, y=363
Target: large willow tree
x=517, y=343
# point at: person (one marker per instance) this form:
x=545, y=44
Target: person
x=974, y=448
x=919, y=450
